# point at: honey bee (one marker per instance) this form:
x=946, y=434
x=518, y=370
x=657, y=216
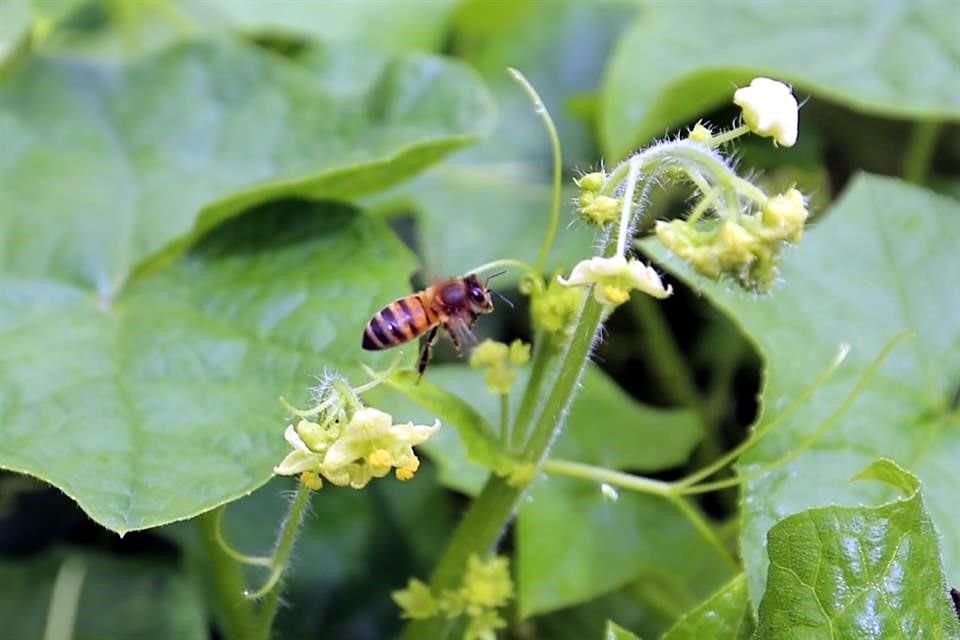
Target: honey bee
x=453, y=304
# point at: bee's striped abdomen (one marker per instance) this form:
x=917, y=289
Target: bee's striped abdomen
x=398, y=322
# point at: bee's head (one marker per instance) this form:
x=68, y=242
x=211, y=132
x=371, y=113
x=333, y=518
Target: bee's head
x=478, y=295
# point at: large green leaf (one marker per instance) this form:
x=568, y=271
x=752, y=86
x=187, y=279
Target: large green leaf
x=682, y=58
x=104, y=166
x=397, y=24
x=882, y=262
x=574, y=544
x=726, y=614
x=162, y=402
x=858, y=572
x=119, y=598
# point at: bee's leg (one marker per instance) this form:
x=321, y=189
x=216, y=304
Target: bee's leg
x=425, y=348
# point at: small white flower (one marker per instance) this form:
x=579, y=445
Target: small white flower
x=614, y=279
x=769, y=109
x=301, y=459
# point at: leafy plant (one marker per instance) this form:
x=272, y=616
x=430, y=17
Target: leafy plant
x=203, y=203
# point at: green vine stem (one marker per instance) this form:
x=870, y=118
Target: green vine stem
x=234, y=613
x=541, y=110
x=919, y=156
x=65, y=599
x=270, y=591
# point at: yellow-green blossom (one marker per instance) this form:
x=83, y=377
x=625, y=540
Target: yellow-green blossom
x=554, y=308
x=500, y=361
x=519, y=353
x=614, y=278
x=747, y=248
x=416, y=601
x=598, y=210
x=368, y=446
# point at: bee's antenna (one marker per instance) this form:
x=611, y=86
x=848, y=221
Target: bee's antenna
x=502, y=297
x=492, y=276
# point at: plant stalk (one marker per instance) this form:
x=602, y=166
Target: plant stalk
x=234, y=612
x=919, y=156
x=270, y=592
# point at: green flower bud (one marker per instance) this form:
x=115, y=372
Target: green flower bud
x=701, y=134
x=786, y=213
x=416, y=601
x=591, y=181
x=601, y=210
x=519, y=353
x=489, y=353
x=553, y=309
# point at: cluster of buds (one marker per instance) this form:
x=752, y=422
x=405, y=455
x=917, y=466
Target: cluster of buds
x=593, y=207
x=347, y=443
x=554, y=307
x=745, y=248
x=500, y=361
x=486, y=587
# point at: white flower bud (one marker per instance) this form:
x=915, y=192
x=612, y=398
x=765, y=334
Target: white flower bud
x=769, y=109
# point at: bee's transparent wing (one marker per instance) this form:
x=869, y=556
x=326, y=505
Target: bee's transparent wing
x=460, y=333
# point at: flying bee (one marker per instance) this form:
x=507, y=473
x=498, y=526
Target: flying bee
x=453, y=304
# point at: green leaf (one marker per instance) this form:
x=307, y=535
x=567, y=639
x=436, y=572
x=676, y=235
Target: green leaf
x=854, y=56
x=15, y=21
x=575, y=544
x=394, y=25
x=156, y=154
x=858, y=572
x=622, y=440
x=162, y=402
x=880, y=263
x=616, y=632
x=144, y=598
x=726, y=614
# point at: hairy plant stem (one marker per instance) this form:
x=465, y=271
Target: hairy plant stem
x=270, y=591
x=492, y=510
x=234, y=613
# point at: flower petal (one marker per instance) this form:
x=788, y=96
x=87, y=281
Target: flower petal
x=297, y=462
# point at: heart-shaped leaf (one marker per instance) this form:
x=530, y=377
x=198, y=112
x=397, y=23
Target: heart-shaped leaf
x=104, y=166
x=858, y=572
x=681, y=59
x=883, y=261
x=398, y=24
x=162, y=402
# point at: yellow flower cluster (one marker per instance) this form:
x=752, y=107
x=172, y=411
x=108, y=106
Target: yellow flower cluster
x=349, y=444
x=554, y=307
x=486, y=587
x=501, y=362
x=746, y=249
x=593, y=208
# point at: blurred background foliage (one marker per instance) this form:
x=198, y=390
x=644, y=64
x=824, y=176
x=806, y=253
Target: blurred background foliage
x=401, y=111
